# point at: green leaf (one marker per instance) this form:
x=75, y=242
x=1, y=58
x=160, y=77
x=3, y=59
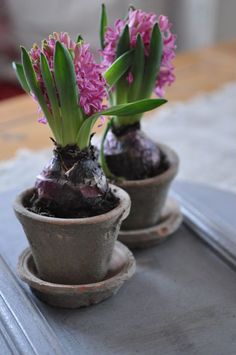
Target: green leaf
x=130, y=109
x=21, y=76
x=35, y=88
x=83, y=137
x=32, y=81
x=122, y=85
x=103, y=25
x=118, y=68
x=49, y=83
x=68, y=93
x=123, y=44
x=153, y=62
x=79, y=39
x=137, y=70
x=133, y=108
x=52, y=95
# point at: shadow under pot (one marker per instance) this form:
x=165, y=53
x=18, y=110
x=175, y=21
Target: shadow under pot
x=72, y=251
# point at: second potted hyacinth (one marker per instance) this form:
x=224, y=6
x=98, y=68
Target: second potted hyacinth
x=137, y=164
x=72, y=216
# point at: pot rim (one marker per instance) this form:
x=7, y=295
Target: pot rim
x=124, y=205
x=160, y=178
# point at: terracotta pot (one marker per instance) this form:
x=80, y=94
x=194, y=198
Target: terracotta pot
x=148, y=196
x=72, y=251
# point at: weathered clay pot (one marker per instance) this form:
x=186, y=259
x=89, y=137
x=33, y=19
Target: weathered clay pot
x=72, y=251
x=148, y=196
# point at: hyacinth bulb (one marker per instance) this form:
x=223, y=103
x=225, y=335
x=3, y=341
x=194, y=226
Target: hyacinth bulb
x=130, y=154
x=72, y=185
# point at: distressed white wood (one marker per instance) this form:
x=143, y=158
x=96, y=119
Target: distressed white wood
x=181, y=300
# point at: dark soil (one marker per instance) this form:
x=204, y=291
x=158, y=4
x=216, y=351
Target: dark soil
x=72, y=185
x=130, y=154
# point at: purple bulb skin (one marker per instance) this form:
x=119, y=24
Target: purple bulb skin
x=72, y=185
x=132, y=155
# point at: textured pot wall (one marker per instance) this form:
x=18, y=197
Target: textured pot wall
x=148, y=196
x=72, y=251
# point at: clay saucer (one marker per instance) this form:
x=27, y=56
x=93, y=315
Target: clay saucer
x=122, y=267
x=170, y=221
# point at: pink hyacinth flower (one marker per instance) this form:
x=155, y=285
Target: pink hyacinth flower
x=142, y=23
x=90, y=81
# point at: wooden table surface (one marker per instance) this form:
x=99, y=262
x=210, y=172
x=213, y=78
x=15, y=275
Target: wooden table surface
x=201, y=71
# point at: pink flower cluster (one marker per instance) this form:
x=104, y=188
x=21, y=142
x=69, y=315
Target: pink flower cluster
x=90, y=81
x=142, y=23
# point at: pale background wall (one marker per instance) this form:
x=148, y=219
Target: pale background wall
x=226, y=20
x=197, y=23
x=203, y=22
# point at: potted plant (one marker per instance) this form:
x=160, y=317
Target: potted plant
x=137, y=164
x=72, y=215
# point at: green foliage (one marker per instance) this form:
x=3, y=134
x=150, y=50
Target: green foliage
x=120, y=93
x=52, y=95
x=103, y=25
x=144, y=70
x=153, y=62
x=68, y=122
x=118, y=68
x=21, y=76
x=128, y=109
x=65, y=117
x=67, y=88
x=34, y=87
x=79, y=39
x=137, y=70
